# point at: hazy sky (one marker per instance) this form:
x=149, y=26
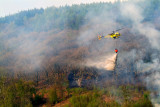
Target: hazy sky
x=13, y=6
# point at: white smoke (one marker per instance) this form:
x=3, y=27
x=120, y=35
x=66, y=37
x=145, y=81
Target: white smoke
x=134, y=13
x=107, y=62
x=104, y=23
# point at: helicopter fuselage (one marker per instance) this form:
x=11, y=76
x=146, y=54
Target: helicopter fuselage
x=115, y=35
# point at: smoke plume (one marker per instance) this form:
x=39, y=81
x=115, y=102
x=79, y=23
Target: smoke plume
x=107, y=62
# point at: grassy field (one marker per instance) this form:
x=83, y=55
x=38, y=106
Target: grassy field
x=120, y=96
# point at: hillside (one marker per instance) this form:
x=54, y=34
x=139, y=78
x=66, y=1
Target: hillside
x=53, y=55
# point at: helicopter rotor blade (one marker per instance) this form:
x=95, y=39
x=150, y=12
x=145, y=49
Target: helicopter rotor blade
x=119, y=29
x=123, y=28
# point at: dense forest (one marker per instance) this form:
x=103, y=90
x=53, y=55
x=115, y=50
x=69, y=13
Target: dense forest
x=75, y=16
x=44, y=54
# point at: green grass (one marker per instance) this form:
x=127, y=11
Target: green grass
x=77, y=91
x=123, y=96
x=87, y=101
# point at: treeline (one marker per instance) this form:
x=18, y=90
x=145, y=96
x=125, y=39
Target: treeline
x=73, y=17
x=19, y=18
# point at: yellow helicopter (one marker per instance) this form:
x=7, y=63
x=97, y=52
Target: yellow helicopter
x=113, y=35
